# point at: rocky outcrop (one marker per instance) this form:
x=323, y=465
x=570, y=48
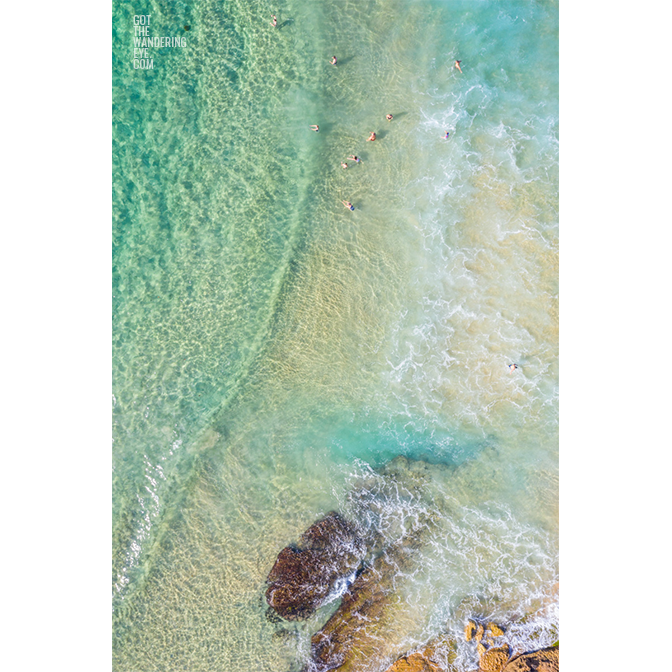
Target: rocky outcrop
x=349, y=641
x=304, y=575
x=498, y=659
x=477, y=631
x=433, y=657
x=494, y=660
x=543, y=660
x=415, y=662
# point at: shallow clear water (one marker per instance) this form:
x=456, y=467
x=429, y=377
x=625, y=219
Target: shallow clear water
x=271, y=348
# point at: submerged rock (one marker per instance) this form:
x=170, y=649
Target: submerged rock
x=441, y=650
x=543, y=660
x=285, y=635
x=303, y=576
x=272, y=616
x=381, y=499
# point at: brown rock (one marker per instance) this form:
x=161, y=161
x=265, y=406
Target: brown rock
x=343, y=642
x=543, y=660
x=493, y=660
x=495, y=629
x=480, y=648
x=469, y=630
x=433, y=657
x=303, y=576
x=479, y=632
x=416, y=662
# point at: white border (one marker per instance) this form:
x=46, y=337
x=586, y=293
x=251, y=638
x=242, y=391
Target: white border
x=615, y=366
x=56, y=372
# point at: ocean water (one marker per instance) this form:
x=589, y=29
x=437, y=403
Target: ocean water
x=272, y=351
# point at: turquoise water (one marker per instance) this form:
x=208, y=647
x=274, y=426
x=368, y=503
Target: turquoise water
x=271, y=348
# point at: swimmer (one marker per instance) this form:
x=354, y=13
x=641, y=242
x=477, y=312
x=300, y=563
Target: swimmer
x=512, y=367
x=344, y=165
x=389, y=117
x=457, y=65
x=445, y=137
x=274, y=23
x=315, y=128
x=348, y=205
x=333, y=60
x=372, y=137
x=355, y=159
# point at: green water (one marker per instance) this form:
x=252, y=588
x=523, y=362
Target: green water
x=269, y=344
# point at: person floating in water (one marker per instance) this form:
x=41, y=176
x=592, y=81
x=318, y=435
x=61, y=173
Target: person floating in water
x=333, y=60
x=512, y=367
x=457, y=65
x=348, y=205
x=274, y=23
x=389, y=117
x=372, y=137
x=344, y=165
x=445, y=137
x=315, y=128
x=356, y=159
